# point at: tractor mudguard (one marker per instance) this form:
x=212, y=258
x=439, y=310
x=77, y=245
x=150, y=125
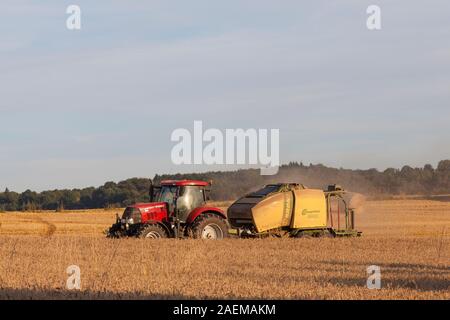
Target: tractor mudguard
x=198, y=211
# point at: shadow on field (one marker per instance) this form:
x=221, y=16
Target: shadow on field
x=442, y=198
x=419, y=277
x=396, y=266
x=35, y=294
x=418, y=283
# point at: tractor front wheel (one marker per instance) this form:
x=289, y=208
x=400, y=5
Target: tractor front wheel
x=209, y=226
x=153, y=231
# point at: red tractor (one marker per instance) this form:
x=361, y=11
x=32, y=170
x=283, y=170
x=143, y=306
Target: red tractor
x=177, y=209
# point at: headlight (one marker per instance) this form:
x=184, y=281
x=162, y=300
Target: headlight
x=130, y=221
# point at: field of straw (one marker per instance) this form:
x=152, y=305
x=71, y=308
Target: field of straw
x=408, y=239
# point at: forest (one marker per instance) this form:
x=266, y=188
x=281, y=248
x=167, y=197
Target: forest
x=229, y=185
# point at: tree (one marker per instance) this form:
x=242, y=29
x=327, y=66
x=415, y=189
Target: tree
x=28, y=200
x=443, y=176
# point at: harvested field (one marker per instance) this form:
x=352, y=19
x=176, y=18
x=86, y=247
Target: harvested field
x=408, y=239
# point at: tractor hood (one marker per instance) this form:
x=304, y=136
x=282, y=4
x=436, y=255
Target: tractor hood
x=145, y=207
x=143, y=212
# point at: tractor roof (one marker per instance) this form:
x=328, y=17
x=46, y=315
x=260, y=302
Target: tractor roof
x=184, y=183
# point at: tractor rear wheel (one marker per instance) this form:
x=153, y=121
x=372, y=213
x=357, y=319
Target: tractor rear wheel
x=153, y=231
x=209, y=226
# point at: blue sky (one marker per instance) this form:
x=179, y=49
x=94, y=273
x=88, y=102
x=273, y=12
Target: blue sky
x=79, y=108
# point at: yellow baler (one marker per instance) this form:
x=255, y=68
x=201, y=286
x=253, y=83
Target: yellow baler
x=291, y=210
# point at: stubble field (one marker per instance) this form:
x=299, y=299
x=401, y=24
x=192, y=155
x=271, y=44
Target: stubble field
x=408, y=239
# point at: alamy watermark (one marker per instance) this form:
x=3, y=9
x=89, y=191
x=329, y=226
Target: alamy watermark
x=73, y=22
x=374, y=279
x=74, y=280
x=373, y=21
x=231, y=147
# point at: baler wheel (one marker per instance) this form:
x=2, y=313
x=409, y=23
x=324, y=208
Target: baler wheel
x=153, y=231
x=303, y=235
x=209, y=226
x=327, y=234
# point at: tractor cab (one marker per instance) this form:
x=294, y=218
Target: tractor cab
x=181, y=196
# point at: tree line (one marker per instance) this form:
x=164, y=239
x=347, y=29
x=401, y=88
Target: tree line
x=230, y=185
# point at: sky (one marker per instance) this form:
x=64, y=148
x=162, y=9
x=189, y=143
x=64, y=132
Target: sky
x=82, y=107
